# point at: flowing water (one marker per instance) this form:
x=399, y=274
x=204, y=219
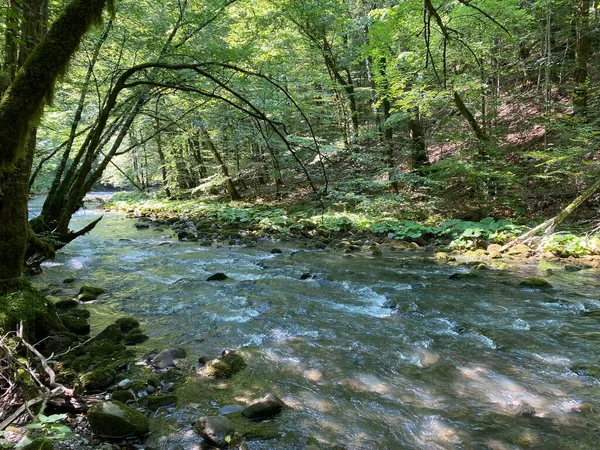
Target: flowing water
x=461, y=364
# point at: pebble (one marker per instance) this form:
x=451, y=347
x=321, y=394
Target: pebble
x=125, y=384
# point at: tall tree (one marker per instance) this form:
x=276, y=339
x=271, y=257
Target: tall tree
x=21, y=107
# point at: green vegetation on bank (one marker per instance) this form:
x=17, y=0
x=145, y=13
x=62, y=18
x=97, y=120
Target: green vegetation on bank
x=303, y=220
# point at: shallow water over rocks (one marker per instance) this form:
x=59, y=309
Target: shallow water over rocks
x=468, y=363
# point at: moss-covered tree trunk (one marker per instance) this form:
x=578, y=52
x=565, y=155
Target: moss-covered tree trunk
x=20, y=109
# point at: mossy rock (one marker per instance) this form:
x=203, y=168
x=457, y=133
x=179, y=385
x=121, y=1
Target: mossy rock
x=225, y=367
x=76, y=321
x=127, y=324
x=39, y=444
x=252, y=430
x=535, y=283
x=159, y=400
x=111, y=333
x=60, y=343
x=115, y=420
x=33, y=309
x=66, y=304
x=122, y=396
x=136, y=336
x=586, y=370
x=80, y=363
x=103, y=349
x=89, y=293
x=97, y=379
x=463, y=276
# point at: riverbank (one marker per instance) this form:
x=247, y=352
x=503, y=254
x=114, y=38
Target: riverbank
x=207, y=221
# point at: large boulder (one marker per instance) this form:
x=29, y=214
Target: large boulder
x=214, y=429
x=115, y=420
x=266, y=407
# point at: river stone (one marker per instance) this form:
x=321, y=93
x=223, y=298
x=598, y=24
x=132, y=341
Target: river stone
x=214, y=429
x=115, y=420
x=167, y=357
x=276, y=251
x=89, y=293
x=536, y=283
x=266, y=407
x=66, y=304
x=127, y=324
x=228, y=365
x=125, y=384
x=228, y=409
x=217, y=277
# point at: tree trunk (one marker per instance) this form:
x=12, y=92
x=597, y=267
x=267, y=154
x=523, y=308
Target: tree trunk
x=418, y=153
x=464, y=111
x=549, y=225
x=231, y=189
x=20, y=109
x=583, y=52
x=161, y=157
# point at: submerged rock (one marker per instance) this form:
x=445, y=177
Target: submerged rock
x=66, y=304
x=214, y=429
x=537, y=283
x=127, y=324
x=166, y=358
x=276, y=251
x=228, y=365
x=266, y=407
x=217, y=277
x=89, y=293
x=115, y=420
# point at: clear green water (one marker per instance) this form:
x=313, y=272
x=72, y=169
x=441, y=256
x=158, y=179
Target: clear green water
x=477, y=364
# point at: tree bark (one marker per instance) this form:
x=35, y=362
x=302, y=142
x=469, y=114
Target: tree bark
x=582, y=56
x=231, y=189
x=20, y=109
x=464, y=111
x=549, y=225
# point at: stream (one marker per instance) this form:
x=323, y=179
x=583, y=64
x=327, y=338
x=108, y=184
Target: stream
x=473, y=363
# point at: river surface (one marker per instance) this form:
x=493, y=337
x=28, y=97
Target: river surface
x=462, y=364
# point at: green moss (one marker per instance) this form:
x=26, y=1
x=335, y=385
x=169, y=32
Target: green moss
x=111, y=333
x=66, y=304
x=89, y=293
x=127, y=324
x=97, y=379
x=254, y=431
x=103, y=349
x=122, y=396
x=136, y=336
x=38, y=315
x=224, y=367
x=76, y=321
x=536, y=283
x=586, y=370
x=156, y=401
x=117, y=420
